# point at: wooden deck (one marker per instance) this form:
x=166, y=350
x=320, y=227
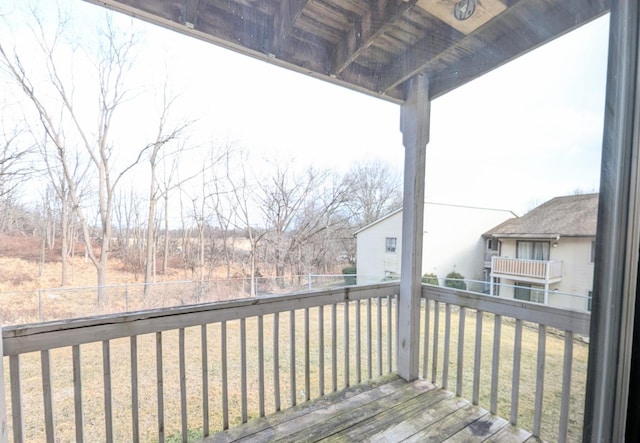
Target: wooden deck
x=387, y=409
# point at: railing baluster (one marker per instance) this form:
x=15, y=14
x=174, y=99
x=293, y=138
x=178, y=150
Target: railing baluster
x=225, y=385
x=425, y=344
x=346, y=344
x=542, y=352
x=334, y=350
x=447, y=344
x=77, y=394
x=4, y=430
x=495, y=363
x=135, y=420
x=47, y=396
x=276, y=360
x=243, y=369
x=389, y=334
x=160, y=387
x=369, y=341
x=379, y=336
x=358, y=344
x=515, y=380
x=205, y=380
x=477, y=358
x=436, y=335
x=261, y=366
x=292, y=356
x=459, y=374
x=16, y=399
x=307, y=368
x=321, y=350
x=183, y=384
x=106, y=369
x=566, y=386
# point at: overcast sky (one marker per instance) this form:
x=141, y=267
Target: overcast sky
x=512, y=139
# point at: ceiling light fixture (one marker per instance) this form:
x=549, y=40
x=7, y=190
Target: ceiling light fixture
x=464, y=9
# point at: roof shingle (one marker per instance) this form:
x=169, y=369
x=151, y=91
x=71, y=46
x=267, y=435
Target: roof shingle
x=568, y=216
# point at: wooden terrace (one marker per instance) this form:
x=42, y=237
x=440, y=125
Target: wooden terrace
x=388, y=409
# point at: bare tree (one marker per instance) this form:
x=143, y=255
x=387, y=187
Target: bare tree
x=59, y=112
x=242, y=195
x=164, y=136
x=59, y=186
x=170, y=180
x=13, y=155
x=129, y=215
x=375, y=190
x=297, y=210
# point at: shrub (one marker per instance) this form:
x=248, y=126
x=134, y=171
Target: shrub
x=431, y=279
x=455, y=280
x=350, y=275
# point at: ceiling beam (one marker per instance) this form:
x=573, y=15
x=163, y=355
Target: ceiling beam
x=284, y=21
x=411, y=62
x=382, y=15
x=562, y=18
x=489, y=47
x=190, y=12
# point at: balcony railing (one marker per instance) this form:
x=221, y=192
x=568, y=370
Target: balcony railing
x=547, y=271
x=180, y=372
x=515, y=347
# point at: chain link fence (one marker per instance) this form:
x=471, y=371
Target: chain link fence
x=21, y=307
x=38, y=305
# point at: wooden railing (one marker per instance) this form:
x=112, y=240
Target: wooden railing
x=184, y=372
x=487, y=365
x=187, y=371
x=538, y=269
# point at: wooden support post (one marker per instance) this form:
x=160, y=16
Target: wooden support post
x=414, y=124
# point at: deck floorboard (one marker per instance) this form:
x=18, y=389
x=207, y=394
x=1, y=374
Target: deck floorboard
x=383, y=410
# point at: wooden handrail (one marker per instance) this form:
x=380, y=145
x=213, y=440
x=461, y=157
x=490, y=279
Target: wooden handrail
x=515, y=314
x=231, y=319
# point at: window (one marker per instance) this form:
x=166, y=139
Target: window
x=593, y=253
x=589, y=297
x=390, y=244
x=492, y=244
x=528, y=292
x=532, y=250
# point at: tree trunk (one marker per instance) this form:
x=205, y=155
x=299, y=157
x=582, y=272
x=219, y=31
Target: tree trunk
x=165, y=252
x=64, y=238
x=149, y=250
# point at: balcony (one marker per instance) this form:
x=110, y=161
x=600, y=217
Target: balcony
x=534, y=271
x=282, y=367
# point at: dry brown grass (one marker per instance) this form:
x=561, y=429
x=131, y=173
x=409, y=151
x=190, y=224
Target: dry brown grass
x=121, y=376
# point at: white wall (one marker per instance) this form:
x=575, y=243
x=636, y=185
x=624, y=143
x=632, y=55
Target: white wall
x=452, y=240
x=372, y=262
x=577, y=271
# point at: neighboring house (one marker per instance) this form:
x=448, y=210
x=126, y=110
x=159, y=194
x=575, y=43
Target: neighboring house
x=452, y=242
x=546, y=254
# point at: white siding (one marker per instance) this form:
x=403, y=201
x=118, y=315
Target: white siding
x=373, y=262
x=452, y=241
x=577, y=271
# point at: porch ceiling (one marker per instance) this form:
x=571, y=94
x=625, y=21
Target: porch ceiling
x=372, y=46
